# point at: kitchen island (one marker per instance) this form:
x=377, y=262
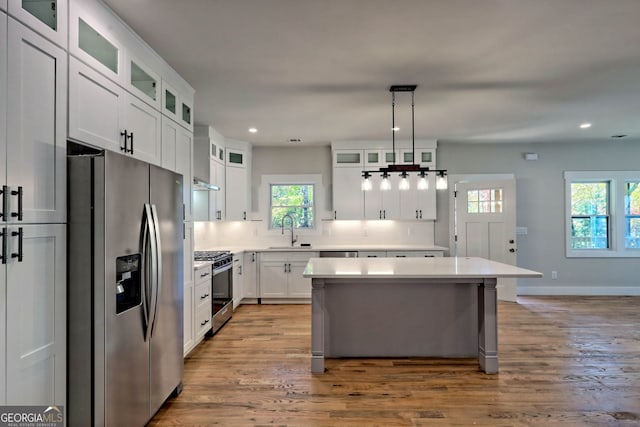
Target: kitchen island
x=406, y=307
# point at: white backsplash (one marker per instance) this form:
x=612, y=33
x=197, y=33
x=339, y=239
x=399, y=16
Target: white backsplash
x=234, y=234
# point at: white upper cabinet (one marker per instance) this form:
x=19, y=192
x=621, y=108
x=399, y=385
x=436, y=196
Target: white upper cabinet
x=47, y=17
x=237, y=182
x=96, y=108
x=144, y=127
x=425, y=157
x=417, y=203
x=169, y=101
x=347, y=193
x=35, y=126
x=348, y=158
x=92, y=38
x=144, y=82
x=103, y=114
x=177, y=155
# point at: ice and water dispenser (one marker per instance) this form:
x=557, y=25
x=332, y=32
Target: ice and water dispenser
x=128, y=282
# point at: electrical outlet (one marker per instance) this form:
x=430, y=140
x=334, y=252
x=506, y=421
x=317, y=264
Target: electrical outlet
x=554, y=275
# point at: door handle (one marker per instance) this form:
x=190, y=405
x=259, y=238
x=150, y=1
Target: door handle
x=416, y=213
x=131, y=138
x=18, y=193
x=20, y=234
x=157, y=287
x=420, y=213
x=124, y=134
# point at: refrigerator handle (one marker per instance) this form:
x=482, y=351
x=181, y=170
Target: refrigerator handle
x=157, y=286
x=148, y=248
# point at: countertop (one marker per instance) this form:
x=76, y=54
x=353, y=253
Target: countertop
x=319, y=248
x=412, y=268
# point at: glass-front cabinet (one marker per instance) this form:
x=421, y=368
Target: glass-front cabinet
x=169, y=101
x=92, y=38
x=144, y=82
x=48, y=17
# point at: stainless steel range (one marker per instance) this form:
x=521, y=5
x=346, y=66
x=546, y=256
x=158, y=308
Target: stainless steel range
x=221, y=285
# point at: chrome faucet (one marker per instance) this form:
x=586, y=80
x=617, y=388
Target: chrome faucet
x=282, y=225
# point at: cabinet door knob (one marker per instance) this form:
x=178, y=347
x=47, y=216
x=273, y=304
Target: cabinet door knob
x=512, y=250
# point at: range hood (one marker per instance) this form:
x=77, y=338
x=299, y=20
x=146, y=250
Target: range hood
x=199, y=184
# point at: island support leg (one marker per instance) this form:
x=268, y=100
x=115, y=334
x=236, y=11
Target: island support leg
x=488, y=326
x=317, y=326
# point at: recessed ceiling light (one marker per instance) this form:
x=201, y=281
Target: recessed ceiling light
x=622, y=135
x=395, y=129
x=585, y=125
x=253, y=130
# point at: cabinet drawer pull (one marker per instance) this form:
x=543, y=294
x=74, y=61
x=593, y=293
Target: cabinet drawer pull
x=204, y=322
x=125, y=138
x=204, y=274
x=204, y=296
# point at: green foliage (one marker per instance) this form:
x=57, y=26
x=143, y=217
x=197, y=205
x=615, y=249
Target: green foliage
x=589, y=212
x=296, y=200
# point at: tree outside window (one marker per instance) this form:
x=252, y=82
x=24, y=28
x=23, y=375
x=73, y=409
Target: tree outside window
x=590, y=215
x=632, y=215
x=296, y=200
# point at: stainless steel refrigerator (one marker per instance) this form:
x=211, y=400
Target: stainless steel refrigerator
x=125, y=297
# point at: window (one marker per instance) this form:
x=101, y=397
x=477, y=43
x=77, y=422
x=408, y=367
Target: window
x=632, y=215
x=590, y=215
x=602, y=214
x=296, y=200
x=487, y=200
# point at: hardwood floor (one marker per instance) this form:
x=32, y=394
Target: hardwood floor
x=571, y=361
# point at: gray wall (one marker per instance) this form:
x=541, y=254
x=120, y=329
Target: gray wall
x=540, y=208
x=291, y=160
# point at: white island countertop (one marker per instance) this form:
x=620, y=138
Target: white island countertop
x=412, y=268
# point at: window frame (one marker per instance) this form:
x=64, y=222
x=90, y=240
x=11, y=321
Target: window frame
x=617, y=181
x=291, y=179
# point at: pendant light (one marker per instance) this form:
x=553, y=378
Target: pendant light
x=404, y=169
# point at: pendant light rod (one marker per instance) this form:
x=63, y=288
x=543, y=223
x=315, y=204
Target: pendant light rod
x=413, y=131
x=393, y=125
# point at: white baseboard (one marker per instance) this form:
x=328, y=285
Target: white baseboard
x=580, y=290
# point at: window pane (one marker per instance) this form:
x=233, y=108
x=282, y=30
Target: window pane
x=472, y=207
x=632, y=215
x=372, y=157
x=472, y=195
x=235, y=158
x=426, y=156
x=589, y=198
x=295, y=200
x=407, y=157
x=186, y=113
x=590, y=232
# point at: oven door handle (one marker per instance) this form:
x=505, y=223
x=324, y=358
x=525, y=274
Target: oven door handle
x=222, y=269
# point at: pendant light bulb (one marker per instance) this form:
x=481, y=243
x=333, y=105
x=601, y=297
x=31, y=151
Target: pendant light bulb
x=385, y=185
x=404, y=182
x=441, y=182
x=366, y=184
x=423, y=184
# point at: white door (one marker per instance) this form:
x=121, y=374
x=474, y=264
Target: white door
x=298, y=286
x=36, y=315
x=273, y=279
x=485, y=218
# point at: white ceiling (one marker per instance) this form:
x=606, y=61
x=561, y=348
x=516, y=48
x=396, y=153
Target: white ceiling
x=319, y=70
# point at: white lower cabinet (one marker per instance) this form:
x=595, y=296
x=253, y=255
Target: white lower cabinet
x=203, y=304
x=197, y=308
x=237, y=278
x=399, y=254
x=33, y=328
x=188, y=324
x=250, y=276
x=281, y=275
